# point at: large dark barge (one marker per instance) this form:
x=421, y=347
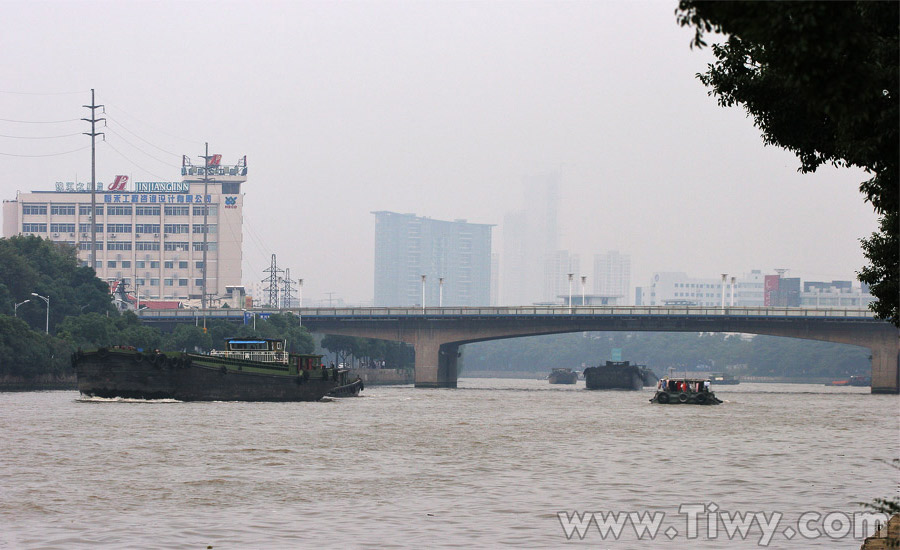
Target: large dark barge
x=247, y=370
x=618, y=375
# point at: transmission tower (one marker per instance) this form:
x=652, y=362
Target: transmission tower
x=287, y=292
x=272, y=281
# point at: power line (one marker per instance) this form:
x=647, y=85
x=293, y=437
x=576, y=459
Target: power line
x=40, y=121
x=47, y=155
x=108, y=144
x=41, y=137
x=139, y=149
x=176, y=155
x=43, y=93
x=195, y=142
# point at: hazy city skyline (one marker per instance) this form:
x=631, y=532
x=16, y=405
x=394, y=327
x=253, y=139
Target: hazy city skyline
x=441, y=109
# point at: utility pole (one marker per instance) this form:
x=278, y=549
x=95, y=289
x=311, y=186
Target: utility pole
x=93, y=133
x=205, y=203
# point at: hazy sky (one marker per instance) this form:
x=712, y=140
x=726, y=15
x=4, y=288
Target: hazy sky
x=434, y=108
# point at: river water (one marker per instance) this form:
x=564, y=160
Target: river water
x=491, y=464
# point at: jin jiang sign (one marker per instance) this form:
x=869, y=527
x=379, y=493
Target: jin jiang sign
x=121, y=184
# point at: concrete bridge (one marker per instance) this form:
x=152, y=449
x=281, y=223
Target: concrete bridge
x=437, y=333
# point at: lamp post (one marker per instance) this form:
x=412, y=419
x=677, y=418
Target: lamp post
x=732, y=291
x=423, y=293
x=299, y=300
x=570, y=288
x=47, y=300
x=16, y=307
x=724, y=277
x=440, y=292
x=583, y=282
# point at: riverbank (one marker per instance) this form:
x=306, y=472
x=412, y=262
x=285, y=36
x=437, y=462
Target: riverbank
x=38, y=383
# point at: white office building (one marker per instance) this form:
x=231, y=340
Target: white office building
x=150, y=234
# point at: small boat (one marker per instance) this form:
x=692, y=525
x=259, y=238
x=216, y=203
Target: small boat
x=722, y=379
x=684, y=391
x=860, y=380
x=257, y=369
x=563, y=376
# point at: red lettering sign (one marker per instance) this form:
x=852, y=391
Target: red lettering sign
x=118, y=184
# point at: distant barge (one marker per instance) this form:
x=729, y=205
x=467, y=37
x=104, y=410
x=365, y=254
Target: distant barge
x=563, y=376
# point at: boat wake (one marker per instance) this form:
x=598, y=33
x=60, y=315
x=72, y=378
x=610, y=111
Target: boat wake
x=88, y=399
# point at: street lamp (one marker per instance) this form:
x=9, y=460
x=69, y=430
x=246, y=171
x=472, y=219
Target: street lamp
x=423, y=293
x=570, y=288
x=47, y=300
x=583, y=281
x=16, y=308
x=299, y=300
x=441, y=292
x=724, y=278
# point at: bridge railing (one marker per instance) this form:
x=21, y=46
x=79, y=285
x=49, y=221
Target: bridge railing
x=513, y=311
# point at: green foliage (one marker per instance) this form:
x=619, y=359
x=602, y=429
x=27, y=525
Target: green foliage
x=28, y=353
x=759, y=356
x=394, y=354
x=822, y=80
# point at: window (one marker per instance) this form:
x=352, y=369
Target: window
x=198, y=247
x=198, y=283
x=212, y=208
x=86, y=227
x=146, y=228
x=169, y=282
x=118, y=227
x=147, y=211
x=210, y=228
x=139, y=282
x=111, y=263
x=182, y=265
x=86, y=210
x=62, y=209
x=126, y=264
x=30, y=209
x=62, y=227
x=143, y=245
x=154, y=265
x=182, y=282
x=154, y=282
x=34, y=227
x=113, y=245
x=87, y=246
x=231, y=187
x=176, y=228
x=118, y=210
x=176, y=245
x=178, y=211
x=169, y=264
x=140, y=264
x=198, y=265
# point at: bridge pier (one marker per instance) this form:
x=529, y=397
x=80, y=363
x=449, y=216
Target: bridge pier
x=435, y=363
x=885, y=369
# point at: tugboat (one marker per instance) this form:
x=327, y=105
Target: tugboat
x=684, y=391
x=247, y=370
x=563, y=376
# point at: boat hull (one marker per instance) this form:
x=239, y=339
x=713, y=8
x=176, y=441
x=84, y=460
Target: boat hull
x=563, y=378
x=614, y=377
x=190, y=377
x=685, y=398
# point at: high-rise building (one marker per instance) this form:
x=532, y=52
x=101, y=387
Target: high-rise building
x=530, y=242
x=151, y=235
x=453, y=256
x=612, y=274
x=561, y=264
